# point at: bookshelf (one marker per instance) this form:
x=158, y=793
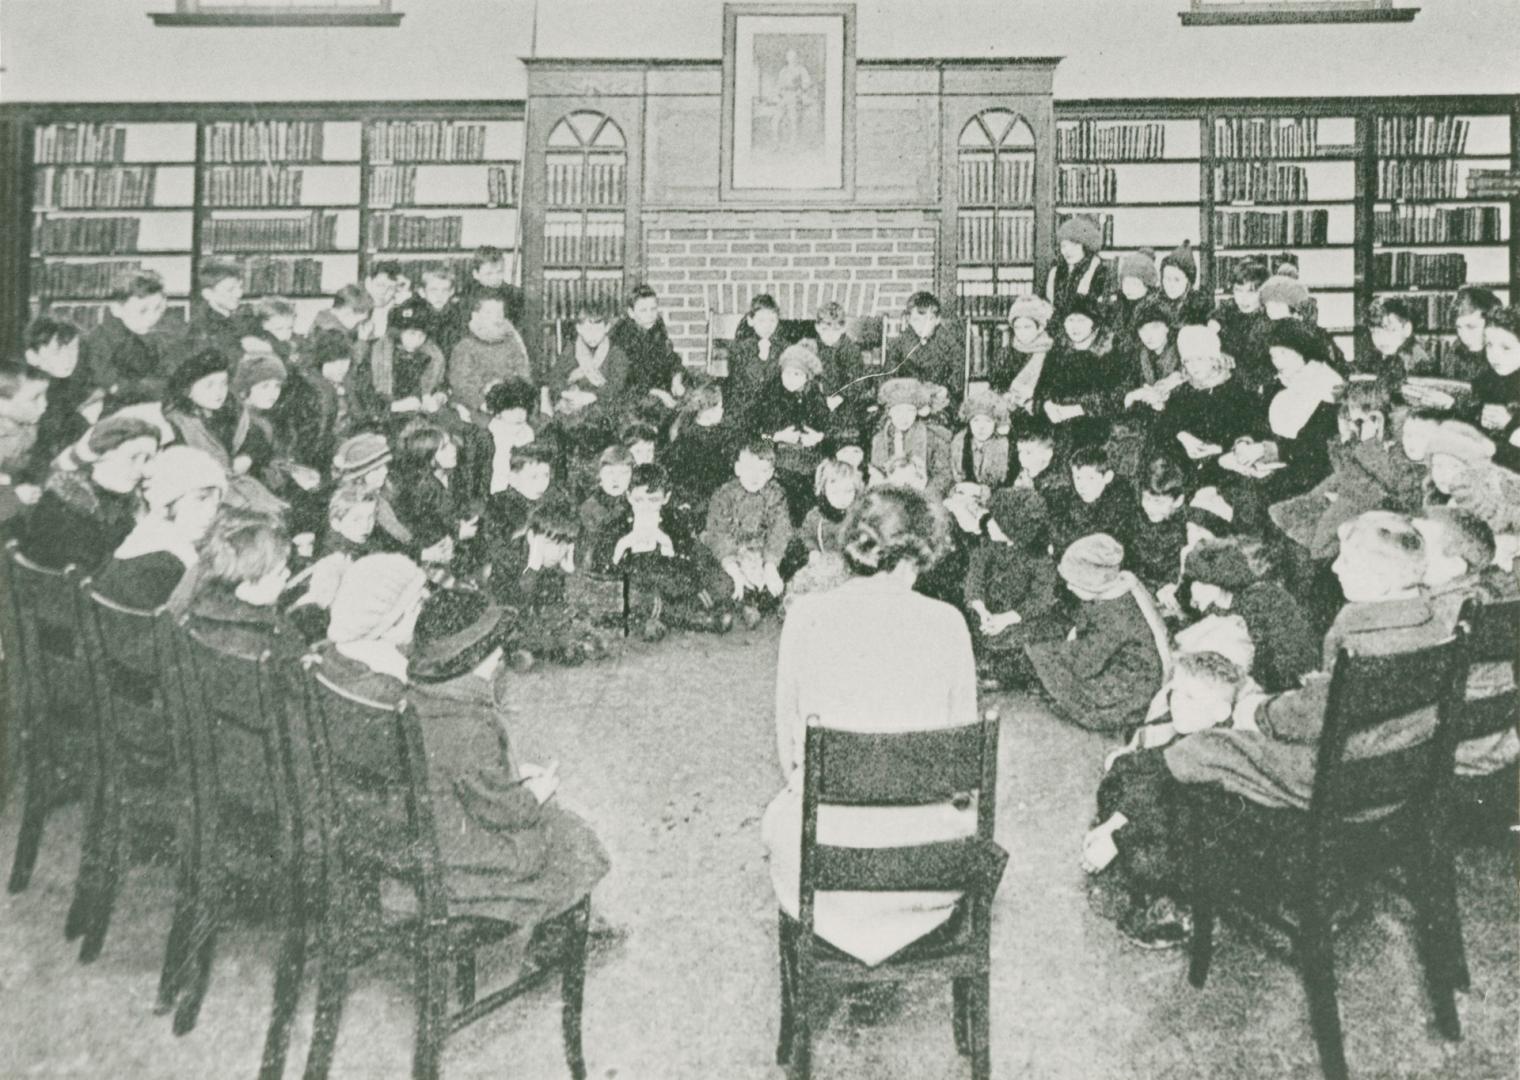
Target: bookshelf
x=584, y=231
x=305, y=196
x=1436, y=223
x=995, y=226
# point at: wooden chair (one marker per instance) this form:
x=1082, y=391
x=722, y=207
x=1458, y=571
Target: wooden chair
x=376, y=816
x=900, y=769
x=1493, y=638
x=250, y=820
x=721, y=328
x=1367, y=814
x=143, y=774
x=47, y=683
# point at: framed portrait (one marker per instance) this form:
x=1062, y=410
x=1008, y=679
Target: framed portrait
x=788, y=102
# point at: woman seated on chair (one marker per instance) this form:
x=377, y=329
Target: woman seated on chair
x=908, y=666
x=245, y=568
x=508, y=852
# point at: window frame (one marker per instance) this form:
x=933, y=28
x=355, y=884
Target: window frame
x=1294, y=12
x=375, y=13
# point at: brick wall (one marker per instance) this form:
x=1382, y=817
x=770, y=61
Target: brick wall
x=869, y=261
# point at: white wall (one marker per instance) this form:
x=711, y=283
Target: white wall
x=468, y=49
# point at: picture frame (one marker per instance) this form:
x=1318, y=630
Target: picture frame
x=788, y=125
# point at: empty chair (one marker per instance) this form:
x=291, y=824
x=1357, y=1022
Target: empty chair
x=1372, y=810
x=721, y=330
x=909, y=769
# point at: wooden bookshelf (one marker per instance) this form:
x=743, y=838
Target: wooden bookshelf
x=305, y=196
x=584, y=242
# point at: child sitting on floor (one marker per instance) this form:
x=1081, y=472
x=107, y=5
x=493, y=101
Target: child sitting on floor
x=490, y=352
x=931, y=351
x=1398, y=354
x=531, y=575
x=1012, y=587
x=1034, y=444
x=790, y=411
x=1104, y=674
x=404, y=372
x=703, y=441
x=1097, y=502
x=979, y=451
x=836, y=486
x=748, y=530
x=1159, y=533
x=509, y=403
x=604, y=513
x=909, y=432
x=508, y=510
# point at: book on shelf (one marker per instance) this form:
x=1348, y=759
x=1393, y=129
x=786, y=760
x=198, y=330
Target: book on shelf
x=1438, y=225
x=989, y=237
x=426, y=140
x=88, y=235
x=577, y=181
x=563, y=294
x=986, y=299
x=1004, y=180
x=600, y=244
x=1418, y=179
x=1225, y=266
x=1087, y=185
x=89, y=316
x=1414, y=269
x=393, y=185
x=1260, y=181
x=74, y=187
x=251, y=185
x=416, y=232
x=316, y=230
x=1105, y=222
x=264, y=276
x=1432, y=312
x=1263, y=228
x=79, y=279
x=57, y=144
x=501, y=185
x=1493, y=183
x=1268, y=136
x=1442, y=350
x=1422, y=135
x=1106, y=141
x=263, y=140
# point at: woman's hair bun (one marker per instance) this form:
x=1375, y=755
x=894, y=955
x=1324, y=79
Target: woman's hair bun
x=888, y=524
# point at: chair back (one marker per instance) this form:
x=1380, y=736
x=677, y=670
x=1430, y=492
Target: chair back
x=242, y=709
x=1357, y=778
x=142, y=734
x=1493, y=641
x=900, y=769
x=375, y=809
x=984, y=341
x=47, y=674
x=865, y=332
x=892, y=328
x=721, y=328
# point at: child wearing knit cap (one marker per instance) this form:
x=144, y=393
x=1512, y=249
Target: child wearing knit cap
x=909, y=431
x=1463, y=474
x=1012, y=587
x=1139, y=280
x=1079, y=271
x=1015, y=371
x=789, y=410
x=403, y=371
x=979, y=451
x=1152, y=355
x=1104, y=674
x=1082, y=376
x=1211, y=408
x=1179, y=291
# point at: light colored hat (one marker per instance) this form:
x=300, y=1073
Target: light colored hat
x=1198, y=342
x=253, y=369
x=904, y=391
x=982, y=401
x=1031, y=306
x=359, y=454
x=374, y=595
x=1284, y=289
x=179, y=470
x=1092, y=563
x=803, y=357
x=1082, y=229
x=1453, y=438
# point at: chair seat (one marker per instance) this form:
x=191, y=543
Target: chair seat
x=945, y=950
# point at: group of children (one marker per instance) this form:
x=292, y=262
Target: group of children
x=1148, y=491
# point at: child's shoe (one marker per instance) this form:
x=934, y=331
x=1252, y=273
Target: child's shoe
x=1162, y=924
x=522, y=660
x=751, y=616
x=721, y=622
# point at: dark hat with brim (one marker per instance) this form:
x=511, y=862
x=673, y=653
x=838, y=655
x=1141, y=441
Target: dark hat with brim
x=455, y=633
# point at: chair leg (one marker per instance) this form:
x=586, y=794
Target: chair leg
x=289, y=968
x=33, y=817
x=1434, y=928
x=1201, y=951
x=801, y=1067
x=573, y=989
x=85, y=886
x=332, y=989
x=960, y=1001
x=784, y=952
x=979, y=1026
x=176, y=950
x=189, y=1010
x=1317, y=966
x=1449, y=913
x=432, y=1003
x=103, y=899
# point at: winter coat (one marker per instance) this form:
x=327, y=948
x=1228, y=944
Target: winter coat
x=1013, y=577
x=579, y=368
x=1017, y=368
x=1065, y=283
x=1284, y=639
x=310, y=417
x=1094, y=378
x=389, y=373
x=210, y=329
x=1365, y=476
x=1154, y=549
x=476, y=364
x=940, y=360
x=605, y=519
x=1219, y=415
x=122, y=363
x=77, y=522
x=926, y=443
x=1238, y=334
x=1104, y=676
x=979, y=463
x=752, y=365
x=652, y=360
x=776, y=408
x=701, y=460
x=1114, y=512
x=738, y=521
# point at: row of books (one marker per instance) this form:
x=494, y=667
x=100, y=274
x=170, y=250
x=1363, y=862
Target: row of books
x=1111, y=142
x=61, y=143
x=1441, y=350
x=89, y=316
x=1225, y=266
x=600, y=243
x=1270, y=136
x=1105, y=222
x=264, y=140
x=1422, y=135
x=1438, y=225
x=263, y=277
x=88, y=235
x=426, y=140
x=1002, y=180
x=989, y=299
x=1396, y=269
x=396, y=185
x=1418, y=179
x=576, y=181
x=251, y=185
x=1087, y=185
x=460, y=266
x=562, y=294
x=985, y=341
x=312, y=231
x=1493, y=183
x=1432, y=311
x=1261, y=181
x=79, y=279
x=85, y=188
x=402, y=232
x=1258, y=228
x=997, y=238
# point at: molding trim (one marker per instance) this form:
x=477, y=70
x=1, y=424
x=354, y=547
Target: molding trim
x=1278, y=16
x=337, y=18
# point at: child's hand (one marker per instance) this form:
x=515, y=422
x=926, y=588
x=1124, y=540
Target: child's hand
x=93, y=407
x=541, y=780
x=307, y=479
x=834, y=401
x=811, y=438
x=28, y=494
x=790, y=436
x=469, y=528
x=772, y=580
x=241, y=464
x=1098, y=849
x=434, y=401
x=737, y=577
x=678, y=385
x=1494, y=417
x=463, y=413
x=406, y=404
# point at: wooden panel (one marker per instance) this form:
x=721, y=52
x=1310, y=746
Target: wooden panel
x=681, y=155
x=686, y=80
x=908, y=79
x=897, y=147
x=999, y=79
x=588, y=81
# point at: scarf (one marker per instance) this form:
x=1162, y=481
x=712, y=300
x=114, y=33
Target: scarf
x=1021, y=389
x=506, y=437
x=589, y=363
x=1292, y=406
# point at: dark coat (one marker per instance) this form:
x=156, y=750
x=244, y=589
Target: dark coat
x=1287, y=648
x=1114, y=512
x=77, y=522
x=1103, y=678
x=1154, y=550
x=210, y=329
x=749, y=373
x=1306, y=455
x=701, y=460
x=1219, y=415
x=605, y=519
x=504, y=856
x=1066, y=283
x=143, y=581
x=1238, y=332
x=940, y=360
x=223, y=621
x=1012, y=577
x=777, y=408
x=1096, y=378
x=614, y=370
x=652, y=360
x=306, y=418
x=122, y=363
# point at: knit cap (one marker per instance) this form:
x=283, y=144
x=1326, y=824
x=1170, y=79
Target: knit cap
x=1083, y=230
x=253, y=369
x=456, y=631
x=1181, y=257
x=1283, y=288
x=1153, y=309
x=1140, y=264
x=358, y=454
x=415, y=314
x=1295, y=335
x=803, y=357
x=981, y=401
x=1221, y=564
x=374, y=595
x=1031, y=306
x=195, y=368
x=110, y=433
x=903, y=392
x=177, y=471
x=1092, y=563
x=1198, y=342
x=1452, y=438
x=1089, y=306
